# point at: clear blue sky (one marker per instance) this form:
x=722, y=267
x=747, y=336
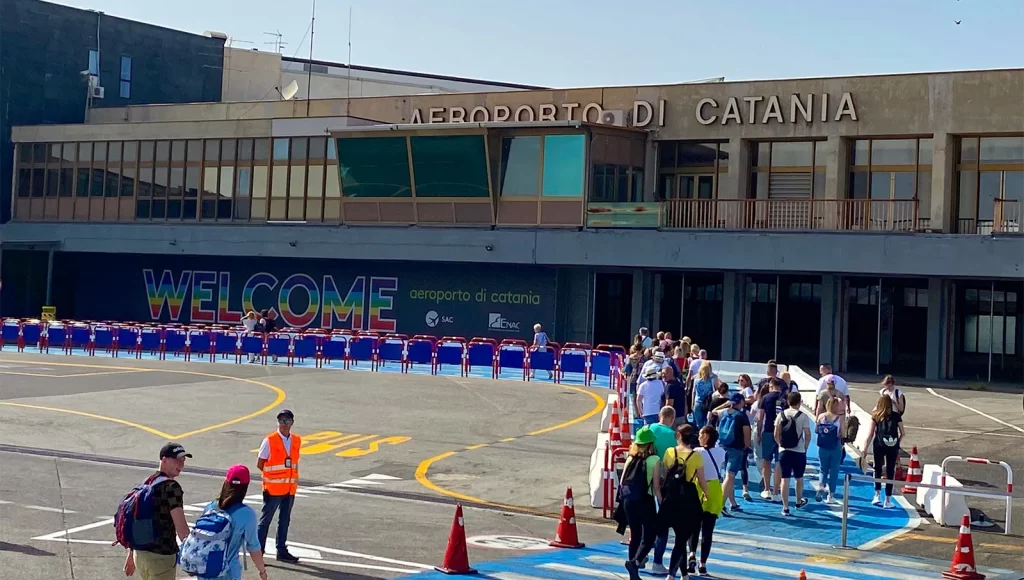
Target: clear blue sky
x=565, y=43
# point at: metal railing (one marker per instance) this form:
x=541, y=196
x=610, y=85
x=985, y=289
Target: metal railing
x=792, y=214
x=952, y=490
x=1007, y=216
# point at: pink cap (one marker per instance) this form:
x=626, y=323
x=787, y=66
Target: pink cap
x=238, y=474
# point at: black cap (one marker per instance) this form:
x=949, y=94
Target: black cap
x=286, y=414
x=174, y=451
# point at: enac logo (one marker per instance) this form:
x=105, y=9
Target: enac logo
x=495, y=321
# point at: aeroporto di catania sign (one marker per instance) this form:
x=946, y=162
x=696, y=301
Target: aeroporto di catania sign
x=751, y=110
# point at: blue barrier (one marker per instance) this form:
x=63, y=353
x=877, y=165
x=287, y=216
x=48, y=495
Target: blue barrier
x=363, y=348
x=225, y=343
x=81, y=337
x=541, y=358
x=511, y=355
x=55, y=335
x=480, y=353
x=200, y=343
x=392, y=349
x=104, y=337
x=174, y=340
x=335, y=348
x=419, y=351
x=451, y=350
x=305, y=346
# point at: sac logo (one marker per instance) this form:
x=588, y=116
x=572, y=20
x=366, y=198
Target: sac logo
x=351, y=445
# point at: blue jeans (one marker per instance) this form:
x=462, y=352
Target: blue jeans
x=829, y=469
x=700, y=416
x=271, y=504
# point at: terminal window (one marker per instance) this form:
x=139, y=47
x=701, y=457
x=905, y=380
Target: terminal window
x=450, y=166
x=374, y=167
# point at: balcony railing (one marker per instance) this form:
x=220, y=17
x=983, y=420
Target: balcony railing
x=1006, y=219
x=793, y=214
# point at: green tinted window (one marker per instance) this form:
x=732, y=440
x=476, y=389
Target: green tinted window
x=564, y=157
x=450, y=166
x=374, y=167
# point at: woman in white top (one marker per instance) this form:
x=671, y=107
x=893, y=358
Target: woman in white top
x=899, y=402
x=249, y=322
x=713, y=501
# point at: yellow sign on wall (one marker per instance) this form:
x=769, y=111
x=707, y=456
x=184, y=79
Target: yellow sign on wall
x=49, y=313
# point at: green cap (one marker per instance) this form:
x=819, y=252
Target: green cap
x=644, y=436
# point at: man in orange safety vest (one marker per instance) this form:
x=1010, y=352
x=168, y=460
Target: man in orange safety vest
x=279, y=461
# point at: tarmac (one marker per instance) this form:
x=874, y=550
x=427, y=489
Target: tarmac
x=385, y=458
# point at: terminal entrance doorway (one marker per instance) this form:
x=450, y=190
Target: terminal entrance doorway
x=783, y=319
x=613, y=307
x=690, y=304
x=885, y=325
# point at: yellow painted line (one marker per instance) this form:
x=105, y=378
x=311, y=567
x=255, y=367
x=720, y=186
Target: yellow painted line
x=941, y=540
x=277, y=401
x=150, y=430
x=30, y=374
x=423, y=468
x=508, y=439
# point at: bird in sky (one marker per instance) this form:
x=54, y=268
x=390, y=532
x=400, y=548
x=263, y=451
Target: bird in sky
x=956, y=22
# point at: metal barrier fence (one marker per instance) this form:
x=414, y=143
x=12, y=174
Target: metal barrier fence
x=489, y=357
x=969, y=491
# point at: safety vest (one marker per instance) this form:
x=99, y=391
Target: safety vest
x=281, y=470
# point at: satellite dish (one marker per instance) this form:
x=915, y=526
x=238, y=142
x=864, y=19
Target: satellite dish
x=289, y=91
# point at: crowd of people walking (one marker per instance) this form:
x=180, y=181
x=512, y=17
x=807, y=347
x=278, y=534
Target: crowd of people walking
x=699, y=436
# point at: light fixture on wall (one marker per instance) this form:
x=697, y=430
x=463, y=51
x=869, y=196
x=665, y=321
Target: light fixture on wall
x=489, y=248
x=293, y=243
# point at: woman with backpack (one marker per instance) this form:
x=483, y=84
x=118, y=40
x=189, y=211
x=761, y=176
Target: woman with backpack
x=210, y=551
x=639, y=487
x=886, y=434
x=681, y=510
x=712, y=501
x=830, y=427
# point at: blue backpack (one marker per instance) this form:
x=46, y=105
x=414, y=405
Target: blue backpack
x=727, y=429
x=205, y=552
x=134, y=521
x=828, y=435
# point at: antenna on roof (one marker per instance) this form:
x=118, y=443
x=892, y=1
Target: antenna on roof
x=348, y=83
x=278, y=43
x=309, y=73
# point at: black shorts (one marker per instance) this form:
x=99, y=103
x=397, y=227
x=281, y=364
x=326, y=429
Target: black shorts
x=793, y=464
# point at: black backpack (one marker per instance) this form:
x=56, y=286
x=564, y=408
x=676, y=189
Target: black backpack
x=888, y=431
x=634, y=484
x=790, y=432
x=678, y=491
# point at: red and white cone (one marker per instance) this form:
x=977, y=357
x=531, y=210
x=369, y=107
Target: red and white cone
x=963, y=558
x=456, y=557
x=914, y=473
x=615, y=428
x=566, y=535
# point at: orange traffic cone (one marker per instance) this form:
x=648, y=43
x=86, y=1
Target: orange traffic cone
x=803, y=575
x=914, y=473
x=614, y=428
x=565, y=535
x=456, y=557
x=963, y=558
x=625, y=429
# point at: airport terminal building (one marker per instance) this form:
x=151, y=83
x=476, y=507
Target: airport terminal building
x=870, y=221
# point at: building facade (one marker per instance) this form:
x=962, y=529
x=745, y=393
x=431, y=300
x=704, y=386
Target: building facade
x=49, y=52
x=252, y=75
x=873, y=222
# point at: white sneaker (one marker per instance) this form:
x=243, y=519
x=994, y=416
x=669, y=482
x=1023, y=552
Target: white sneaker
x=830, y=500
x=877, y=500
x=777, y=497
x=766, y=494
x=887, y=504
x=658, y=569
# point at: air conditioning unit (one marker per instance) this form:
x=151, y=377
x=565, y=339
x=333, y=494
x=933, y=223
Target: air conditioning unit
x=617, y=118
x=97, y=92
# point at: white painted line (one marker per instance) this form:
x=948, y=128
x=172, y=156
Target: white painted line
x=76, y=541
x=962, y=432
x=581, y=571
x=367, y=566
x=765, y=555
x=62, y=533
x=193, y=508
x=517, y=576
x=358, y=555
x=381, y=476
x=311, y=490
x=914, y=521
x=362, y=482
x=52, y=510
x=769, y=570
x=4, y=502
x=349, y=485
x=973, y=410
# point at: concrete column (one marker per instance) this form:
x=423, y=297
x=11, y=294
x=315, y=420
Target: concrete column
x=836, y=175
x=656, y=301
x=650, y=170
x=831, y=300
x=49, y=275
x=935, y=341
x=731, y=302
x=735, y=183
x=637, y=318
x=943, y=211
